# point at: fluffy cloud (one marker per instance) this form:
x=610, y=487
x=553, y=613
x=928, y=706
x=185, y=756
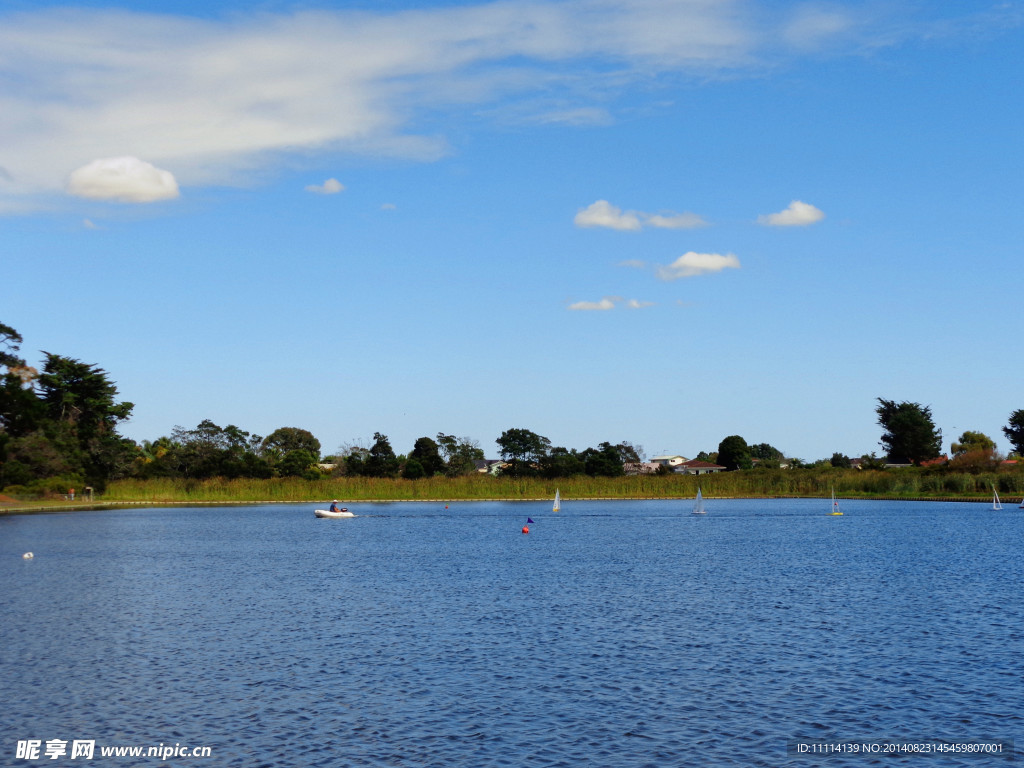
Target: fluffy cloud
x=798, y=214
x=125, y=179
x=604, y=214
x=692, y=264
x=607, y=303
x=329, y=187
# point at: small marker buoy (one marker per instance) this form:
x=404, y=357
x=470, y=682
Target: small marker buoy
x=525, y=529
x=27, y=556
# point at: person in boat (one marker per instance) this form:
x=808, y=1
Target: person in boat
x=334, y=506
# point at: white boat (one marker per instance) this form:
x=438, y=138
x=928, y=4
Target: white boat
x=995, y=499
x=558, y=502
x=835, y=504
x=1021, y=504
x=698, y=504
x=327, y=513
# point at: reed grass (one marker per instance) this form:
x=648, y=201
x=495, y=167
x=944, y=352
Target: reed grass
x=904, y=483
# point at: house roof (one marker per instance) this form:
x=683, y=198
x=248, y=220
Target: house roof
x=485, y=463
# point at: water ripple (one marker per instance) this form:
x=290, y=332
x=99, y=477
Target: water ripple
x=621, y=634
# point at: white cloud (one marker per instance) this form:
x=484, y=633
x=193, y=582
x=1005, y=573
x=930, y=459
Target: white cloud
x=125, y=179
x=633, y=264
x=590, y=306
x=609, y=302
x=798, y=214
x=692, y=264
x=224, y=100
x=604, y=214
x=812, y=26
x=676, y=221
x=330, y=187
x=88, y=224
x=388, y=207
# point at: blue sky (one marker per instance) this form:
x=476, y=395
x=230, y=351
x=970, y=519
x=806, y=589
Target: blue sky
x=654, y=221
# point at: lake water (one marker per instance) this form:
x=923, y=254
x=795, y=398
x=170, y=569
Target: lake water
x=615, y=634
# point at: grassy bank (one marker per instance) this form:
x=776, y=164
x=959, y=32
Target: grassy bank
x=909, y=483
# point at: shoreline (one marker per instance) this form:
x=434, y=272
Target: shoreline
x=91, y=506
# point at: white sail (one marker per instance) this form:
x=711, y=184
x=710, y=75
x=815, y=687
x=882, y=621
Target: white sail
x=835, y=504
x=995, y=499
x=558, y=502
x=698, y=504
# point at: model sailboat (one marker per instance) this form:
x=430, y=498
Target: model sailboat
x=835, y=504
x=995, y=499
x=698, y=504
x=558, y=502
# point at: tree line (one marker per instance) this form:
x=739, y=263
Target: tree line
x=59, y=429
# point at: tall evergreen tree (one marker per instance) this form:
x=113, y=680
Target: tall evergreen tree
x=733, y=453
x=1014, y=431
x=381, y=461
x=910, y=435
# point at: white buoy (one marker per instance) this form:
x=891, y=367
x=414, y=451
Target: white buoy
x=28, y=556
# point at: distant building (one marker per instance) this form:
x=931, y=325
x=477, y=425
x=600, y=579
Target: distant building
x=488, y=466
x=698, y=467
x=668, y=461
x=641, y=468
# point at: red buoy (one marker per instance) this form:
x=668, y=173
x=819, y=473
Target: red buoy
x=525, y=529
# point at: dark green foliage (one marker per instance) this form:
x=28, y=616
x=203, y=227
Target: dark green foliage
x=80, y=394
x=381, y=460
x=765, y=452
x=61, y=423
x=459, y=454
x=561, y=462
x=522, y=445
x=1014, y=431
x=840, y=460
x=603, y=461
x=733, y=453
x=212, y=451
x=523, y=450
x=21, y=411
x=286, y=439
x=910, y=434
x=299, y=462
x=413, y=470
x=628, y=453
x=871, y=461
x=10, y=342
x=427, y=454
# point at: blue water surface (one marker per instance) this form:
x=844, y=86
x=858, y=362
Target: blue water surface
x=616, y=633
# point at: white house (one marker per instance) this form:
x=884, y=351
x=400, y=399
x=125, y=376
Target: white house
x=669, y=461
x=697, y=467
